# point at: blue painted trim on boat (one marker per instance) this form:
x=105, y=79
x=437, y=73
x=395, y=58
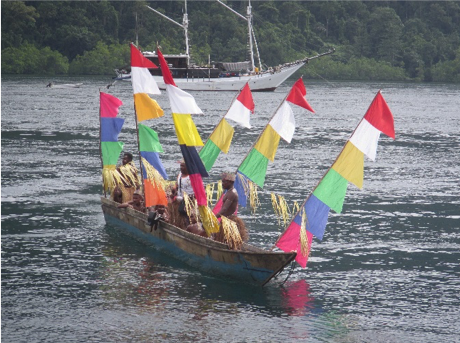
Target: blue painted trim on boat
x=240, y=270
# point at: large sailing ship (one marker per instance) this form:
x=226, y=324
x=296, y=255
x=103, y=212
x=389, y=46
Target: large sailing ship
x=222, y=76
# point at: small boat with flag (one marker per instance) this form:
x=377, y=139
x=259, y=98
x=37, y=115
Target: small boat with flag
x=221, y=76
x=230, y=257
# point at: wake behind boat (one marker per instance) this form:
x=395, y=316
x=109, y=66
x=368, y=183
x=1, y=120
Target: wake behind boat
x=64, y=85
x=221, y=76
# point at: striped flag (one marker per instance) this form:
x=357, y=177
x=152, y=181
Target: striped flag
x=282, y=125
x=183, y=105
x=144, y=84
x=221, y=137
x=331, y=190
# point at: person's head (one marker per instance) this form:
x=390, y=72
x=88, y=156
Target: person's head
x=127, y=157
x=160, y=209
x=183, y=168
x=193, y=218
x=228, y=179
x=137, y=197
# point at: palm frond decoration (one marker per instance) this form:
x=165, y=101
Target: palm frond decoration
x=231, y=233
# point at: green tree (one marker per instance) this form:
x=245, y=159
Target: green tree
x=18, y=21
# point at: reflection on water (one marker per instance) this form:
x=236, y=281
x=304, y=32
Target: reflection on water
x=386, y=271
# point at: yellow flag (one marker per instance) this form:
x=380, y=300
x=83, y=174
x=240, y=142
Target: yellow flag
x=146, y=107
x=186, y=130
x=222, y=136
x=350, y=165
x=268, y=143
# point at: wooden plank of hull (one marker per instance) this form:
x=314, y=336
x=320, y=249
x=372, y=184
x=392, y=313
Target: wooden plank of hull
x=251, y=264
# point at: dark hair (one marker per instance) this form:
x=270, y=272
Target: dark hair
x=129, y=155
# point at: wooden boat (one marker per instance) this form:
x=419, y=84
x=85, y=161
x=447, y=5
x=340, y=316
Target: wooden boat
x=250, y=264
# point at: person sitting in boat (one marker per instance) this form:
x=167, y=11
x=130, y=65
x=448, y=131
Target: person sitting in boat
x=130, y=178
x=196, y=227
x=136, y=204
x=162, y=212
x=227, y=206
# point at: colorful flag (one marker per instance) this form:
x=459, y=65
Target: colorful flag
x=183, y=105
x=144, y=84
x=331, y=190
x=282, y=125
x=149, y=148
x=221, y=138
x=110, y=129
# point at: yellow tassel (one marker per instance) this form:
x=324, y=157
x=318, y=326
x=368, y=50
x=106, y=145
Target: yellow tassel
x=303, y=235
x=284, y=209
x=253, y=196
x=220, y=190
x=231, y=234
x=153, y=175
x=130, y=174
x=275, y=207
x=210, y=193
x=209, y=220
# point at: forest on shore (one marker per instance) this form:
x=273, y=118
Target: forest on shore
x=373, y=40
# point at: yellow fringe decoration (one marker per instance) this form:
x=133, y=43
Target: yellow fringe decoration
x=220, y=190
x=303, y=235
x=209, y=220
x=295, y=207
x=111, y=178
x=153, y=175
x=190, y=206
x=210, y=193
x=253, y=196
x=250, y=189
x=130, y=174
x=231, y=234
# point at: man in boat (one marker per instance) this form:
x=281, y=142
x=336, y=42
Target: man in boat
x=137, y=203
x=195, y=227
x=130, y=178
x=227, y=206
x=179, y=216
x=229, y=198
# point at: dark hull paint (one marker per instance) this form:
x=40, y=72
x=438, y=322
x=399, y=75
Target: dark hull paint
x=250, y=265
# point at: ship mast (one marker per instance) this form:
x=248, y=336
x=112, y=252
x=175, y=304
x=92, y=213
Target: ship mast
x=251, y=35
x=184, y=26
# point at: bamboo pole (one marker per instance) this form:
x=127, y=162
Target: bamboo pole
x=100, y=143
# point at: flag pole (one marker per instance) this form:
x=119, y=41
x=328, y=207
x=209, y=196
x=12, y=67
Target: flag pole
x=303, y=204
x=100, y=143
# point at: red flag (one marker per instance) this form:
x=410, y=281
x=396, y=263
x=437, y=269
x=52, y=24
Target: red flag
x=167, y=77
x=246, y=99
x=297, y=95
x=109, y=105
x=380, y=116
x=138, y=60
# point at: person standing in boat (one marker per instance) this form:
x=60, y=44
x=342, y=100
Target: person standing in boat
x=130, y=178
x=228, y=203
x=178, y=212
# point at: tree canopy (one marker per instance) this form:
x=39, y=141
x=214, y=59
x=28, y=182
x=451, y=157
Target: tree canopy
x=397, y=40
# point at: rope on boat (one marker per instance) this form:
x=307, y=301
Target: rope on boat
x=289, y=274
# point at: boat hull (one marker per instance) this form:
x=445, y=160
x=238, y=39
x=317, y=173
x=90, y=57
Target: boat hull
x=263, y=82
x=250, y=265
